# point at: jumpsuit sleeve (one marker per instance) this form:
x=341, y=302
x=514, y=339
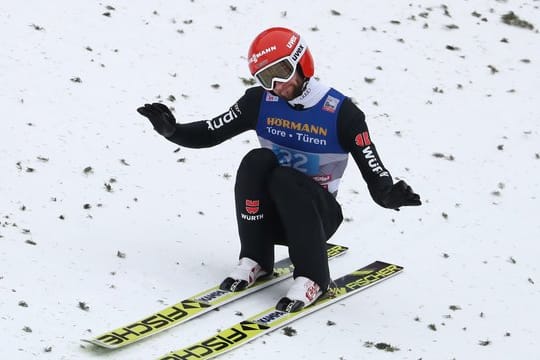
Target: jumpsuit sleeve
x=240, y=117
x=354, y=138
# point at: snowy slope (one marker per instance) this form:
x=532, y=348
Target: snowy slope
x=99, y=212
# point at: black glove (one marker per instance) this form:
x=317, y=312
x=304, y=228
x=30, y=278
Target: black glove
x=160, y=116
x=400, y=194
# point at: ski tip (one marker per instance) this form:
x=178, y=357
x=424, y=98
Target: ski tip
x=98, y=344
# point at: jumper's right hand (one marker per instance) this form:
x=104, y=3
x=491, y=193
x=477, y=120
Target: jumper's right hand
x=161, y=118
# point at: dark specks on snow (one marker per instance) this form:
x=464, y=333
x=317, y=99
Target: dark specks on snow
x=452, y=56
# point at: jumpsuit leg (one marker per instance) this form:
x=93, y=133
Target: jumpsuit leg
x=310, y=215
x=258, y=221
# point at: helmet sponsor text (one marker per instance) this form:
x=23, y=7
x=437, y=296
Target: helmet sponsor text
x=292, y=41
x=255, y=57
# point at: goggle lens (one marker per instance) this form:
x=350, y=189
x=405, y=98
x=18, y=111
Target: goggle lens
x=282, y=70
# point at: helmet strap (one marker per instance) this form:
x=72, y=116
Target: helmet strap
x=301, y=73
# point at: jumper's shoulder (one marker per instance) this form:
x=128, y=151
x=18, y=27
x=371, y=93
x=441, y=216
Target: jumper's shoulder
x=254, y=93
x=351, y=110
x=248, y=105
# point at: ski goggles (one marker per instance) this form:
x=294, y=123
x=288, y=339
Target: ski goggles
x=281, y=70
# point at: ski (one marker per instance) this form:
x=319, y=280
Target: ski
x=194, y=306
x=272, y=319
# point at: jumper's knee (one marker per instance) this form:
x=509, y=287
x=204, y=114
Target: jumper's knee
x=255, y=168
x=259, y=158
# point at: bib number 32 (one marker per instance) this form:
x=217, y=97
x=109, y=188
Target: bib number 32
x=306, y=163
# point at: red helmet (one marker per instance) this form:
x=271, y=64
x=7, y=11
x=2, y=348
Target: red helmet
x=274, y=45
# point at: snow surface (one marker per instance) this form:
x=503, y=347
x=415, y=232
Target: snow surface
x=451, y=98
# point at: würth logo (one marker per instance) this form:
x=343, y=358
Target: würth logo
x=252, y=206
x=362, y=139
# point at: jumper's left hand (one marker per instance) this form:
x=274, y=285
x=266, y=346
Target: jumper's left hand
x=401, y=194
